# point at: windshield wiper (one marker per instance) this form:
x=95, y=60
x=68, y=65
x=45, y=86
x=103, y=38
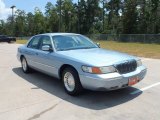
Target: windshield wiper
x=66, y=49
x=87, y=47
x=75, y=48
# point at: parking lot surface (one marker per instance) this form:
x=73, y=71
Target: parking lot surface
x=37, y=96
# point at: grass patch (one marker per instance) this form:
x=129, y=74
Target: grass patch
x=21, y=41
x=138, y=49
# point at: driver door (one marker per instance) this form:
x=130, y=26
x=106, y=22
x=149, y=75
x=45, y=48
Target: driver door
x=45, y=59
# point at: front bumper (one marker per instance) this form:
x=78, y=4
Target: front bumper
x=110, y=81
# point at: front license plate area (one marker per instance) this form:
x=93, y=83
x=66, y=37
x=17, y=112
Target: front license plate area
x=133, y=81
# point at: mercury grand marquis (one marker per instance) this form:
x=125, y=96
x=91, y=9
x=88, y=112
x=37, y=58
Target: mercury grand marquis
x=80, y=63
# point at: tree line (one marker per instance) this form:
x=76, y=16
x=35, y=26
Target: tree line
x=87, y=17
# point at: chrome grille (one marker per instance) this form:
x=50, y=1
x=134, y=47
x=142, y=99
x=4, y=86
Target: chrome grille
x=126, y=67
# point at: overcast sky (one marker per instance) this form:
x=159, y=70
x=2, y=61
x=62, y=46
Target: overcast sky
x=27, y=5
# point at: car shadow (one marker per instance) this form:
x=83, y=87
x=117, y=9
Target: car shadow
x=89, y=99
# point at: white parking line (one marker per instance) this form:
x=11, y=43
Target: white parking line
x=145, y=88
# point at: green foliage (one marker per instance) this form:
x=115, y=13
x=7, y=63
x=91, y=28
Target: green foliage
x=87, y=17
x=130, y=17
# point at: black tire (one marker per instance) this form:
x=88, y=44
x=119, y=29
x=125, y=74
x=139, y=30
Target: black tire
x=26, y=69
x=78, y=87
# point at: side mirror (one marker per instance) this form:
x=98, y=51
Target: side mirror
x=98, y=44
x=46, y=48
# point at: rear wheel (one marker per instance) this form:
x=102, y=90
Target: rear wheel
x=25, y=66
x=71, y=82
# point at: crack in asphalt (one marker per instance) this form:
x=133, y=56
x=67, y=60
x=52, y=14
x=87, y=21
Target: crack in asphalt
x=43, y=112
x=21, y=107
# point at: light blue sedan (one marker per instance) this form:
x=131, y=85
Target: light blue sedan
x=80, y=63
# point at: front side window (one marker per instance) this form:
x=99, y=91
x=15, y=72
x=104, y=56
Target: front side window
x=45, y=41
x=34, y=43
x=71, y=42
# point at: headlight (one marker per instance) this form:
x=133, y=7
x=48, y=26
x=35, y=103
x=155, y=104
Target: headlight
x=99, y=70
x=139, y=63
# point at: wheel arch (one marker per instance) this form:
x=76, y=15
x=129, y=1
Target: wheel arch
x=22, y=57
x=65, y=66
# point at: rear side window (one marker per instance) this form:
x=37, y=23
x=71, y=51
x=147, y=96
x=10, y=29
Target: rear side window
x=34, y=43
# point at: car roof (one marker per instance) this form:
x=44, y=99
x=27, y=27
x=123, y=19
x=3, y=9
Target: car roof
x=55, y=34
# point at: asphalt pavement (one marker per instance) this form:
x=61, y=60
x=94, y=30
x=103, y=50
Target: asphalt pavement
x=37, y=96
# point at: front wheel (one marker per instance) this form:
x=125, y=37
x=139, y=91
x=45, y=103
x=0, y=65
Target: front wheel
x=25, y=66
x=71, y=82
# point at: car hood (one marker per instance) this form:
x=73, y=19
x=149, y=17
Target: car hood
x=96, y=56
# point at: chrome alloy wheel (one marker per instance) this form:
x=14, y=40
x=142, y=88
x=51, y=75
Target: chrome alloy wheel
x=69, y=81
x=24, y=64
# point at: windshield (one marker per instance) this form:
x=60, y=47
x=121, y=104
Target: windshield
x=72, y=42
